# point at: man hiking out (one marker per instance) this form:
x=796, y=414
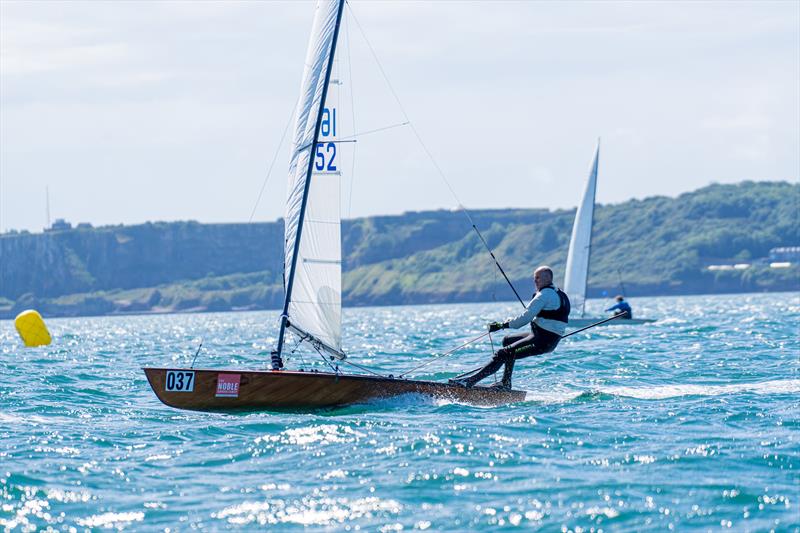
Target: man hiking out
x=547, y=313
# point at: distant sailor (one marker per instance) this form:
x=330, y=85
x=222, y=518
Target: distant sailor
x=547, y=313
x=621, y=307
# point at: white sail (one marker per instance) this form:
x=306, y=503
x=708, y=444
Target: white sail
x=314, y=277
x=580, y=243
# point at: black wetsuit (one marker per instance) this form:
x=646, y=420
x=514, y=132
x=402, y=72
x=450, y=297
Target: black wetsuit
x=521, y=345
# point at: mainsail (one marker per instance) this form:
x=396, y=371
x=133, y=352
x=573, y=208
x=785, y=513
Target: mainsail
x=580, y=244
x=313, y=303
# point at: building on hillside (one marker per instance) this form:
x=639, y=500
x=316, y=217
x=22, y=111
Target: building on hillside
x=737, y=266
x=780, y=257
x=59, y=225
x=785, y=254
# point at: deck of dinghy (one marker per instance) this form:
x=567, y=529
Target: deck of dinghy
x=229, y=390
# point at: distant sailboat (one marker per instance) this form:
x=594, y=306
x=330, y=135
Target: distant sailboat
x=312, y=307
x=580, y=252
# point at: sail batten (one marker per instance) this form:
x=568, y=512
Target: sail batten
x=580, y=243
x=312, y=231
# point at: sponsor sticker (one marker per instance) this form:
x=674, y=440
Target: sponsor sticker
x=228, y=385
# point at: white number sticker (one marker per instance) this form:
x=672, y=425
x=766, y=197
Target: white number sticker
x=180, y=381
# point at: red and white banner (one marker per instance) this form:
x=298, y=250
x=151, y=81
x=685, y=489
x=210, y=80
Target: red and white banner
x=228, y=385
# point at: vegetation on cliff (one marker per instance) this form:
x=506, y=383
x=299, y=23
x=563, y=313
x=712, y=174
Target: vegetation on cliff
x=657, y=245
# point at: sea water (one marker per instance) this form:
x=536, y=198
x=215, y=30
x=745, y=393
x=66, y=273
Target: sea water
x=689, y=423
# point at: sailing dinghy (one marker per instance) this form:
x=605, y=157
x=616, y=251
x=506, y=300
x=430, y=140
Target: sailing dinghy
x=580, y=252
x=312, y=308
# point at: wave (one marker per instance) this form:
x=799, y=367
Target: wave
x=785, y=386
x=32, y=420
x=563, y=395
x=556, y=395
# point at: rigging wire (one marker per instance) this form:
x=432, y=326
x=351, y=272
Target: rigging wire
x=294, y=349
x=443, y=355
x=430, y=155
x=491, y=342
x=196, y=354
x=364, y=368
x=274, y=159
x=620, y=315
x=622, y=285
x=353, y=114
x=376, y=130
x=325, y=359
x=334, y=368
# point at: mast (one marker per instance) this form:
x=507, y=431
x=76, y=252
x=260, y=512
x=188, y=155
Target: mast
x=277, y=362
x=47, y=204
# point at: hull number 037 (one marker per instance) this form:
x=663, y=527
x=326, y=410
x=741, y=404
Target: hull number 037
x=180, y=381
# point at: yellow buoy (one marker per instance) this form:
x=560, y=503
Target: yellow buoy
x=31, y=328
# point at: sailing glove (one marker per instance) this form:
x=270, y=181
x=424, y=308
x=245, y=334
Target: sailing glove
x=497, y=326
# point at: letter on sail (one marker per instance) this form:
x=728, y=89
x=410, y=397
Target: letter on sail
x=313, y=278
x=580, y=244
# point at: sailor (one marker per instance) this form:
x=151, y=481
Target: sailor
x=621, y=307
x=547, y=313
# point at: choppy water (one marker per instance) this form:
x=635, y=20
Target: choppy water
x=690, y=423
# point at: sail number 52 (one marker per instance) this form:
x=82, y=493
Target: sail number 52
x=326, y=153
x=180, y=381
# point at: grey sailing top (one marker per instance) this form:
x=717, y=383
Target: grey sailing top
x=546, y=299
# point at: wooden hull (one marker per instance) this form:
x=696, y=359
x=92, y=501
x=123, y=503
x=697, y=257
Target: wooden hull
x=213, y=390
x=583, y=322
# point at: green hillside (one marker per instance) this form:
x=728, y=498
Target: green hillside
x=656, y=246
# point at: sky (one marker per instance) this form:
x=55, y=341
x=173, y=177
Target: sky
x=128, y=112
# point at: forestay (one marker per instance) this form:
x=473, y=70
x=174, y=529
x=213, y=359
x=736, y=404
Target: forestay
x=580, y=243
x=313, y=279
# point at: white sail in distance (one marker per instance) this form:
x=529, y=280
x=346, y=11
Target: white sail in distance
x=314, y=278
x=580, y=244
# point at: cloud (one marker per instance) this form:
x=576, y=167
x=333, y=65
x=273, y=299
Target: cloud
x=180, y=105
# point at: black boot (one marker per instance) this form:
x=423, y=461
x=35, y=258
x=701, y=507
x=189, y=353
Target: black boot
x=507, y=371
x=501, y=357
x=505, y=384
